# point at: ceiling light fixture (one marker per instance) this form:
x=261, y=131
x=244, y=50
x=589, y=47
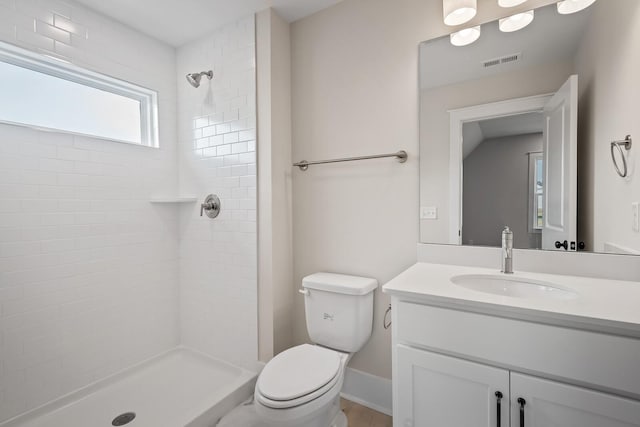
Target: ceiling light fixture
x=465, y=37
x=516, y=22
x=510, y=3
x=572, y=6
x=458, y=12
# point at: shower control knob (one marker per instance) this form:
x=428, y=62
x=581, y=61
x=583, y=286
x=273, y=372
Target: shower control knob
x=211, y=206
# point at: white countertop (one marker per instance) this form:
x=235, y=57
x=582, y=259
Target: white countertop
x=609, y=306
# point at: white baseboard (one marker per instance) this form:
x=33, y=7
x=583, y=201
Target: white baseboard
x=367, y=390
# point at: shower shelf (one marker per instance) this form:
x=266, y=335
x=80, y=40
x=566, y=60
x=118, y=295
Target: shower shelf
x=174, y=200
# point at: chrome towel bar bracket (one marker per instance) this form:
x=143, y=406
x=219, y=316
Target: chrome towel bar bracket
x=626, y=143
x=400, y=155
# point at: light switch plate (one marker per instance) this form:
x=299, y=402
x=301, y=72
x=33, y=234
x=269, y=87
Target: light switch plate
x=428, y=212
x=635, y=220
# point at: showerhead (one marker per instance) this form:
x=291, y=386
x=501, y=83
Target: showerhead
x=194, y=78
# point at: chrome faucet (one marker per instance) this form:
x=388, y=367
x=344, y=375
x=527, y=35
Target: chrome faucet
x=507, y=251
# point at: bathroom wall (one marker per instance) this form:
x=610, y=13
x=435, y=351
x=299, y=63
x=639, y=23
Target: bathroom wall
x=608, y=60
x=501, y=165
x=354, y=92
x=88, y=267
x=275, y=270
x=217, y=154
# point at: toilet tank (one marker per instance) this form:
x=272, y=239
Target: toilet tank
x=339, y=310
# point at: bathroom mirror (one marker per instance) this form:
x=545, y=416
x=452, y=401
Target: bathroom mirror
x=516, y=130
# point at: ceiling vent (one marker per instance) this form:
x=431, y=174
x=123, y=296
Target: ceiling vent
x=513, y=57
x=491, y=63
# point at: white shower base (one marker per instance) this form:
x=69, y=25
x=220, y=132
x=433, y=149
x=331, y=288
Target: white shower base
x=180, y=388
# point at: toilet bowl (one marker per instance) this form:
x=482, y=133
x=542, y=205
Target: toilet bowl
x=300, y=387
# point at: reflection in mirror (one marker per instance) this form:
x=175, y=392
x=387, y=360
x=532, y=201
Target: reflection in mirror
x=515, y=130
x=510, y=195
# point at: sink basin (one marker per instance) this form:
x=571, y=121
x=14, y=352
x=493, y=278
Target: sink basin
x=510, y=286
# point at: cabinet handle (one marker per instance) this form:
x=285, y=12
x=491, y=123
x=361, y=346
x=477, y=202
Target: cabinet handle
x=522, y=402
x=499, y=399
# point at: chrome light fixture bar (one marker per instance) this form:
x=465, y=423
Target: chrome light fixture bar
x=458, y=12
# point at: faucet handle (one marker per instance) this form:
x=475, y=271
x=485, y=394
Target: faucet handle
x=211, y=206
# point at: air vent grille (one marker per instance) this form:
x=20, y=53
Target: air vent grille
x=510, y=58
x=506, y=59
x=491, y=63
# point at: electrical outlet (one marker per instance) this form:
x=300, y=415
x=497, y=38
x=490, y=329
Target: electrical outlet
x=635, y=221
x=428, y=212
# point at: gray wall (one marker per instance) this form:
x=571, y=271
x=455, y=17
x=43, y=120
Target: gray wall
x=496, y=191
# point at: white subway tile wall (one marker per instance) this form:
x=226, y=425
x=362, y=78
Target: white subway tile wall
x=88, y=267
x=217, y=152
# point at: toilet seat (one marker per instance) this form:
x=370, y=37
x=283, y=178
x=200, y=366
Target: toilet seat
x=298, y=376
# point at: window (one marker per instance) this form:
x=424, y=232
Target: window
x=46, y=93
x=536, y=193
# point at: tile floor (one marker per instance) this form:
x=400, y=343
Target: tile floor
x=361, y=416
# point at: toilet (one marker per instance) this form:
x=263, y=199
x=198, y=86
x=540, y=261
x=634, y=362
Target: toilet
x=301, y=386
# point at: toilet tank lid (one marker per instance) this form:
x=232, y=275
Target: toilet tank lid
x=340, y=283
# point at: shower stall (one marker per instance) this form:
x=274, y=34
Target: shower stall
x=119, y=302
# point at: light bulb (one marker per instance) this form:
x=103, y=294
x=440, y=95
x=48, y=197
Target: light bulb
x=457, y=12
x=572, y=6
x=466, y=36
x=516, y=22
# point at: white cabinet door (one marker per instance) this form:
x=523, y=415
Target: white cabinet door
x=440, y=391
x=551, y=404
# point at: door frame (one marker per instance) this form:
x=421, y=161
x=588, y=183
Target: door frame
x=457, y=118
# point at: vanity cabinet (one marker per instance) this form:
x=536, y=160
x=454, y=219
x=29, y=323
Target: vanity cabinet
x=435, y=390
x=454, y=368
x=554, y=404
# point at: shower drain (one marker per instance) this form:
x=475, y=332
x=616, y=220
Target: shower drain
x=123, y=419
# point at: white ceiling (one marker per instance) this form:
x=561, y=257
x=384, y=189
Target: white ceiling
x=521, y=124
x=474, y=133
x=179, y=21
x=550, y=38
